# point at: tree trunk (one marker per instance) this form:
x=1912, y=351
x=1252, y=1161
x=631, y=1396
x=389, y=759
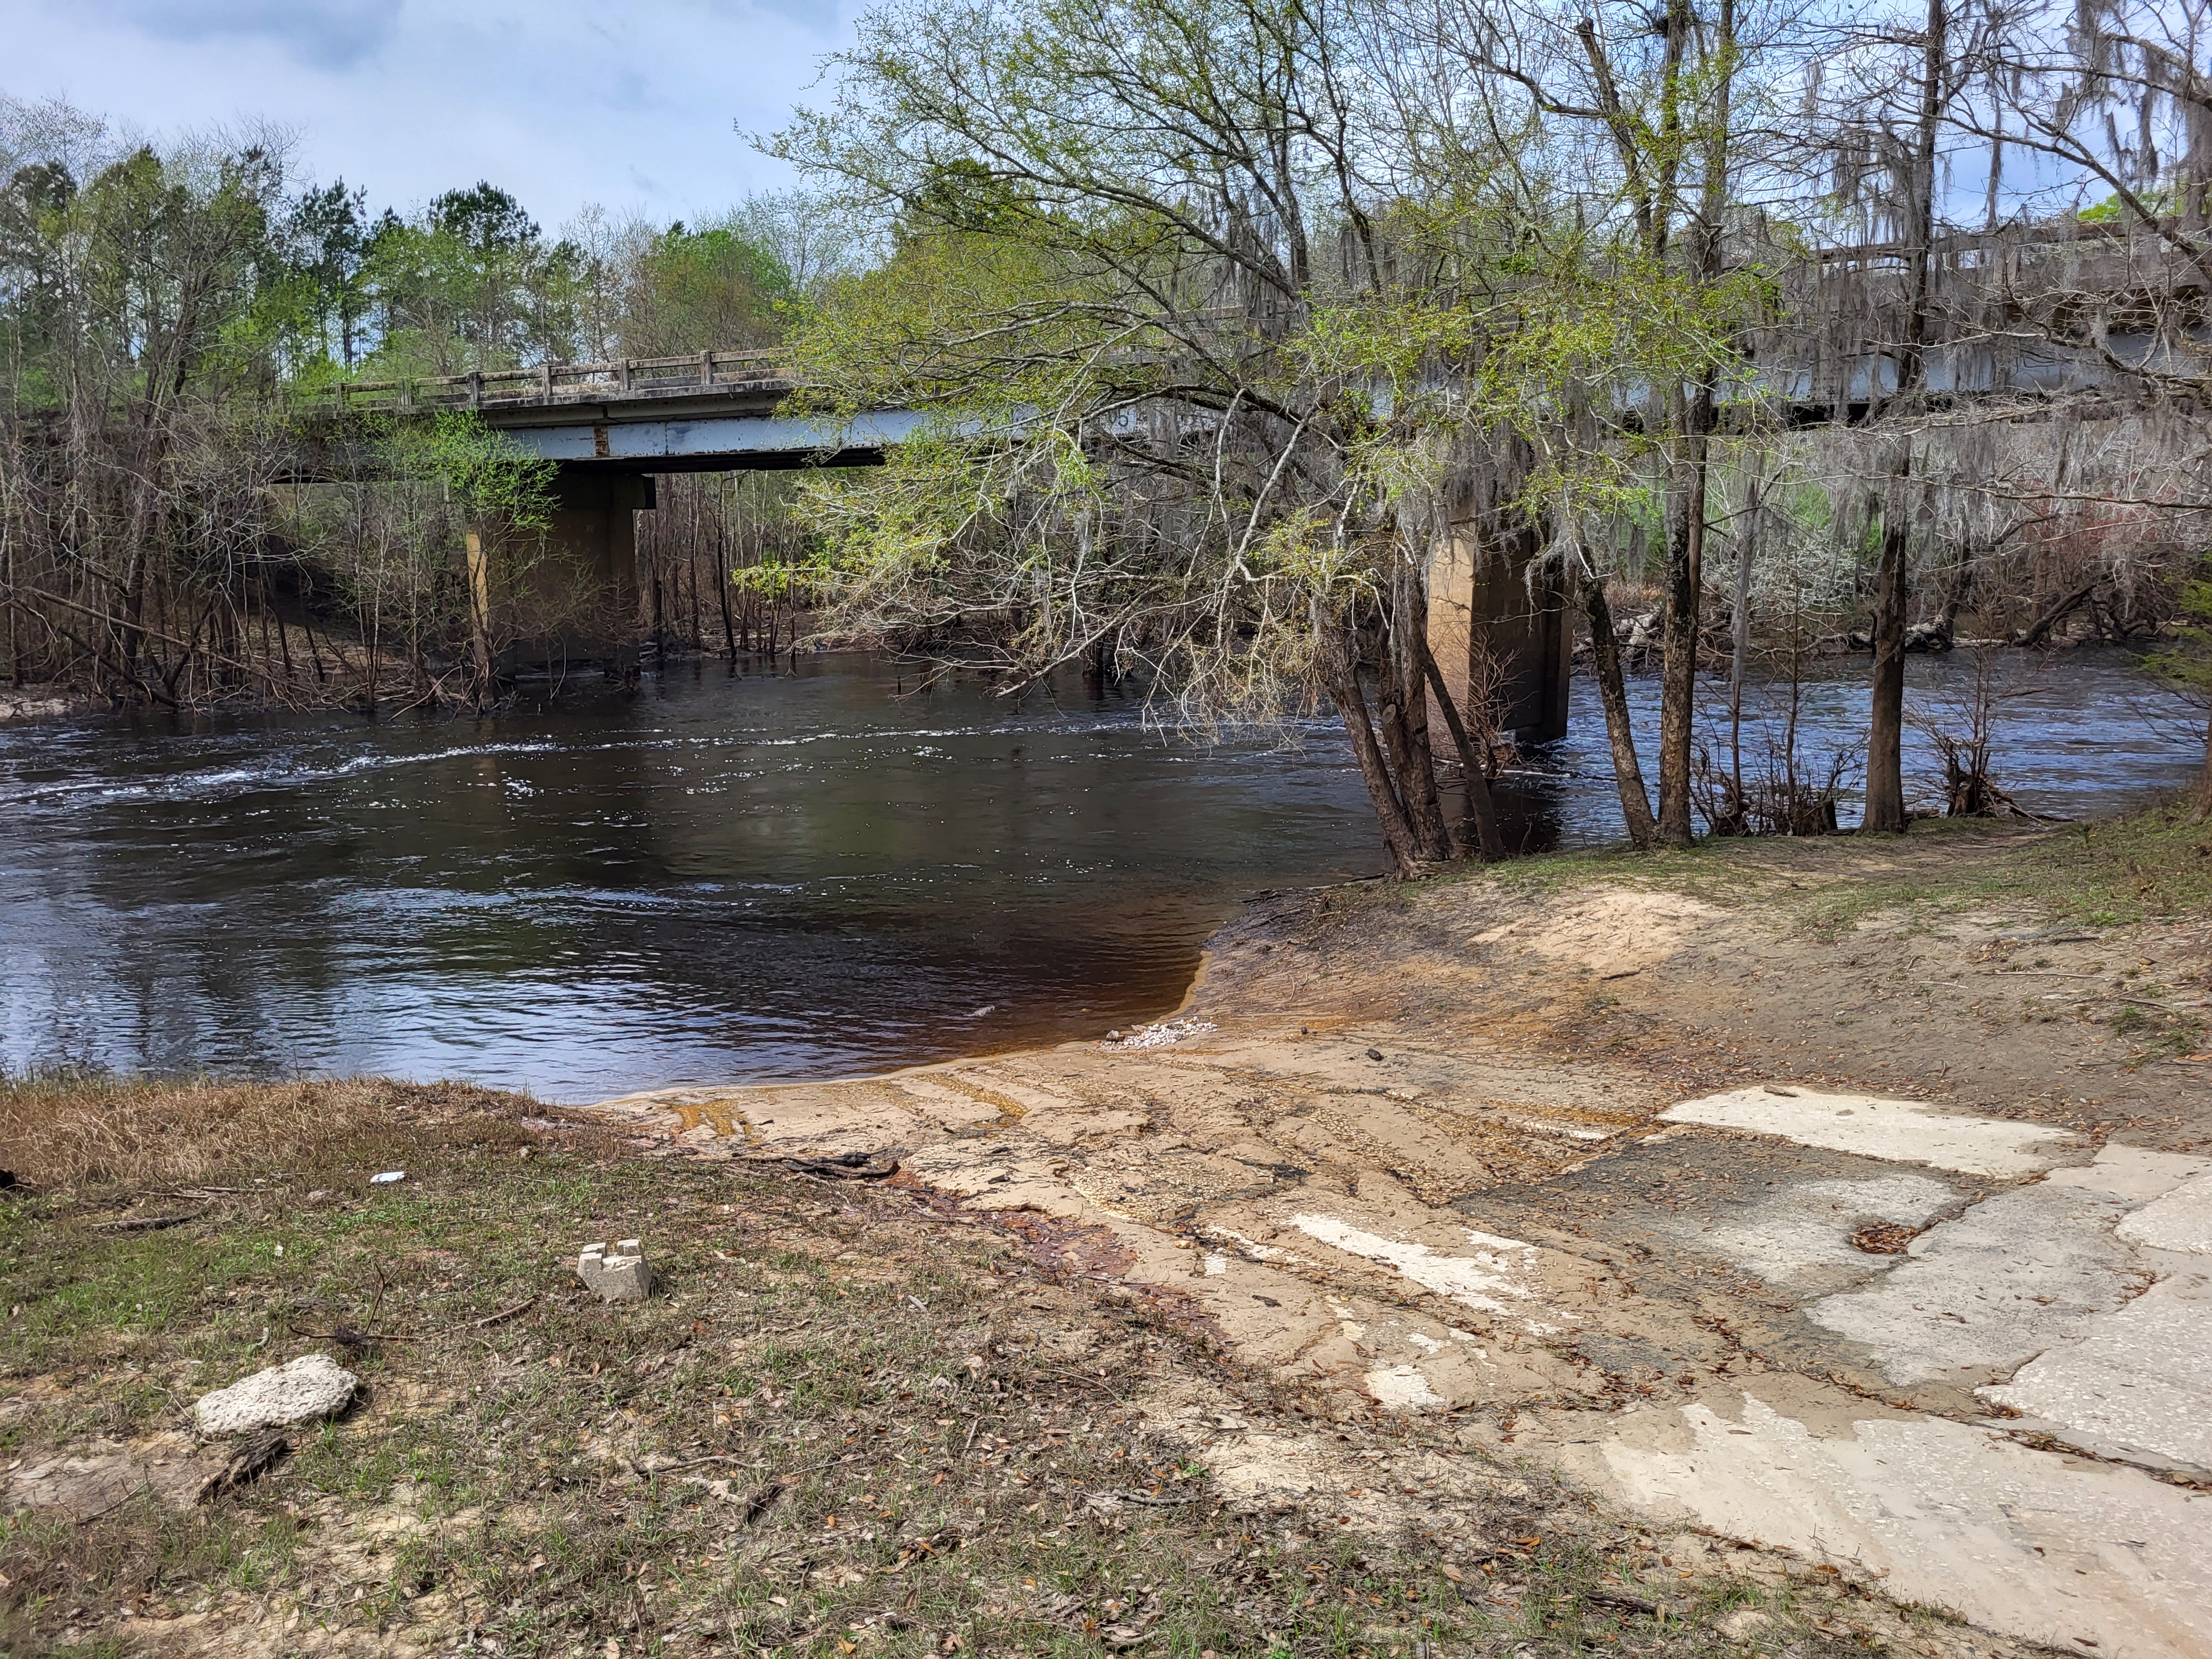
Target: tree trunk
x=1480, y=806
x=1405, y=719
x=722, y=588
x=1678, y=672
x=1612, y=693
x=1885, y=784
x=480, y=645
x=1341, y=664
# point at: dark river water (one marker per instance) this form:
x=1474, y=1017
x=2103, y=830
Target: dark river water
x=737, y=878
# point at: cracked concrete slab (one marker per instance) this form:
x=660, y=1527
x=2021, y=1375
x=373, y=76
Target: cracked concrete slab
x=2060, y=1550
x=2015, y=1274
x=2138, y=1381
x=1896, y=1131
x=1808, y=1226
x=2179, y=1220
x=1683, y=1319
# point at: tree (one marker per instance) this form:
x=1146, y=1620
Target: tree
x=1196, y=409
x=331, y=227
x=694, y=291
x=2112, y=99
x=816, y=238
x=131, y=310
x=1648, y=99
x=1897, y=111
x=471, y=283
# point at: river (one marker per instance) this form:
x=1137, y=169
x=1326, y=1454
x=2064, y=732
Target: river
x=746, y=876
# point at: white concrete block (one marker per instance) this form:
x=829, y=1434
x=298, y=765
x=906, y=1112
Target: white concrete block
x=616, y=1272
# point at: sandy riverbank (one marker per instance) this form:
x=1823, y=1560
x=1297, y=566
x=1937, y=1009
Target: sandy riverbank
x=1852, y=1198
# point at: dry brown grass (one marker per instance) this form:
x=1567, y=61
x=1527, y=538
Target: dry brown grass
x=74, y=1132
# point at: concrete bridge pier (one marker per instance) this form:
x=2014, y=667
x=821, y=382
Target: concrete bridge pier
x=1500, y=637
x=568, y=600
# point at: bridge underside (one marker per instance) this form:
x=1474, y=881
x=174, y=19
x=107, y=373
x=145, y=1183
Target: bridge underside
x=606, y=441
x=607, y=458
x=1501, y=642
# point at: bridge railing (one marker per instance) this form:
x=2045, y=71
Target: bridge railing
x=554, y=384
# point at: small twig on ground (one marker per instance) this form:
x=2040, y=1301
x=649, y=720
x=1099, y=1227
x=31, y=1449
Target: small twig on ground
x=523, y=1306
x=346, y=1337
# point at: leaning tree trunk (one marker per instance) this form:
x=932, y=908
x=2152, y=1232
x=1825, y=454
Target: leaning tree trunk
x=1678, y=672
x=1612, y=693
x=1341, y=666
x=1885, y=784
x=1406, y=718
x=1480, y=806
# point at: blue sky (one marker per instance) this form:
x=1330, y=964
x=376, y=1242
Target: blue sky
x=561, y=102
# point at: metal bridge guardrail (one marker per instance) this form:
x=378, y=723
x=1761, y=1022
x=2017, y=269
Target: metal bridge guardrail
x=551, y=384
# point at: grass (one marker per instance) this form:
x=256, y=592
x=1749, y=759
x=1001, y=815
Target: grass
x=2118, y=872
x=848, y=1421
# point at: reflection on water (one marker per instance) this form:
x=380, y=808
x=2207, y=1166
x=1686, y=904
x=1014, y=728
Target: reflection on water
x=750, y=877
x=2078, y=734
x=734, y=879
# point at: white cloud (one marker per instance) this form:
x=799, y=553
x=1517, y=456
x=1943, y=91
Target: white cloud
x=562, y=102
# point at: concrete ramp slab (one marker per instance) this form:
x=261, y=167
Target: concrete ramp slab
x=1896, y=1131
x=2140, y=1381
x=2060, y=1550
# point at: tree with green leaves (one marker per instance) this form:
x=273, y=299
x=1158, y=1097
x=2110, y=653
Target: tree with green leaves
x=471, y=283
x=136, y=337
x=330, y=231
x=1648, y=101
x=1212, y=349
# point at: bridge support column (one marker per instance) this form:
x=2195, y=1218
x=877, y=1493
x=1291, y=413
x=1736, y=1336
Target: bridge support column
x=572, y=600
x=1496, y=638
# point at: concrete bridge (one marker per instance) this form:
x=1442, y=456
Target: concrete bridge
x=612, y=427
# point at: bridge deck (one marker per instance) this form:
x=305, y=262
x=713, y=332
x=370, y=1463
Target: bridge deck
x=709, y=411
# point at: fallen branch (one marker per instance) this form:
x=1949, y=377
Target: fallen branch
x=845, y=1166
x=504, y=1314
x=2033, y=633
x=146, y=1223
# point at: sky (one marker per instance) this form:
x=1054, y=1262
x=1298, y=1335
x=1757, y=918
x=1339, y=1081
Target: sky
x=627, y=104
